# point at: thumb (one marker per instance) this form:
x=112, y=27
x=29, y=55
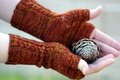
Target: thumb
x=96, y=12
x=83, y=66
x=100, y=64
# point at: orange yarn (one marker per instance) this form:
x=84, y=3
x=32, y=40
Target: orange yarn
x=67, y=28
x=49, y=55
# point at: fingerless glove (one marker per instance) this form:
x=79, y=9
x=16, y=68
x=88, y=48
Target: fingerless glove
x=66, y=28
x=48, y=55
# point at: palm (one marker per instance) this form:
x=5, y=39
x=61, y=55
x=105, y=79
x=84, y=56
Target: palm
x=109, y=48
x=106, y=43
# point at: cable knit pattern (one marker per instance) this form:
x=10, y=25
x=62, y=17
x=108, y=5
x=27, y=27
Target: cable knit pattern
x=66, y=28
x=49, y=55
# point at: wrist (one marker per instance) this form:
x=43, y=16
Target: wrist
x=4, y=45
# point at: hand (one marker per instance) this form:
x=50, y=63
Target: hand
x=72, y=25
x=96, y=66
x=106, y=43
x=109, y=49
x=50, y=55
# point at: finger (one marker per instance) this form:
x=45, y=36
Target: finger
x=101, y=54
x=102, y=63
x=99, y=65
x=107, y=49
x=96, y=12
x=102, y=37
x=105, y=57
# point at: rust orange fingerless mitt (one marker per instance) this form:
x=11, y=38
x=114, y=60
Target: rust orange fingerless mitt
x=66, y=28
x=49, y=55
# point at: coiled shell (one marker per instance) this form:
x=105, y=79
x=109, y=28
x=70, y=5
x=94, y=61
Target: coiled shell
x=87, y=49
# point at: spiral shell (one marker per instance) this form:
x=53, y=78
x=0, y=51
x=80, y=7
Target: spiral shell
x=87, y=49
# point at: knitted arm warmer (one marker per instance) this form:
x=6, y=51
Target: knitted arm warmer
x=67, y=28
x=49, y=55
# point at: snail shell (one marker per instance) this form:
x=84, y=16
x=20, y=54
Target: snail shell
x=87, y=49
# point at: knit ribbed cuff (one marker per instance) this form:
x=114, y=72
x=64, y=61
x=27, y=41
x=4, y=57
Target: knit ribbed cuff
x=31, y=17
x=23, y=51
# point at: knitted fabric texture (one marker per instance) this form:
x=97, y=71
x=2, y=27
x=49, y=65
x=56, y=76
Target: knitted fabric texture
x=66, y=28
x=49, y=55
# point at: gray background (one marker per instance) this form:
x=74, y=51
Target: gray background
x=108, y=22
